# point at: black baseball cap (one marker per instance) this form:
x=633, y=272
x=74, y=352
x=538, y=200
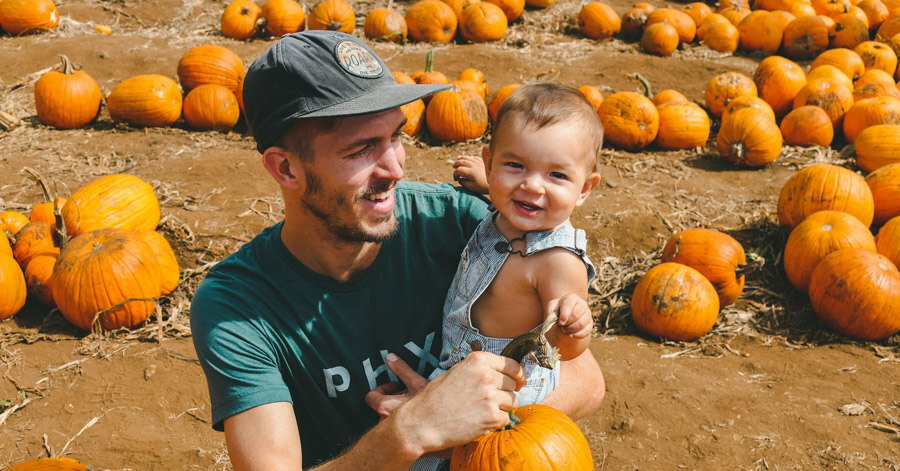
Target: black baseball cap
x=319, y=74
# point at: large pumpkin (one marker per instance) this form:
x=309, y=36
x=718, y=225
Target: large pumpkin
x=544, y=439
x=869, y=112
x=674, y=301
x=209, y=63
x=49, y=464
x=805, y=37
x=283, y=17
x=824, y=187
x=67, y=98
x=456, y=115
x=597, y=20
x=12, y=285
x=385, y=24
x=723, y=88
x=857, y=293
x=876, y=146
x=749, y=137
x=630, y=120
x=107, y=277
x=778, y=80
x=716, y=255
x=807, y=126
x=239, y=19
x=885, y=186
x=119, y=200
x=145, y=100
x=831, y=96
x=818, y=235
x=333, y=15
x=211, y=106
x=481, y=22
x=682, y=125
x=27, y=16
x=887, y=242
x=431, y=21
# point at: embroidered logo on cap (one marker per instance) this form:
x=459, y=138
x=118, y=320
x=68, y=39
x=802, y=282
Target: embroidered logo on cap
x=357, y=60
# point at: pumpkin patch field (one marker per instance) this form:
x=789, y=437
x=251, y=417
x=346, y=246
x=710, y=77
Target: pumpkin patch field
x=746, y=230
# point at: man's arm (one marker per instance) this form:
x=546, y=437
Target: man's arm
x=467, y=402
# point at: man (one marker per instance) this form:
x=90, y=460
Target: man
x=315, y=336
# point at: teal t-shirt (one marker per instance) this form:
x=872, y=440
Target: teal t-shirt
x=267, y=329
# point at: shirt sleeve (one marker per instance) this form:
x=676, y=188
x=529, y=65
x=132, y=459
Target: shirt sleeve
x=241, y=367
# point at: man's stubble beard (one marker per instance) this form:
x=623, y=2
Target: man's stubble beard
x=322, y=203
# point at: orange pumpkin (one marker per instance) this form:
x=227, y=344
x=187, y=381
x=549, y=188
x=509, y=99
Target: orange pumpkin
x=832, y=97
x=37, y=276
x=832, y=74
x=723, y=88
x=630, y=120
x=818, y=235
x=240, y=19
x=283, y=17
x=34, y=239
x=540, y=437
x=12, y=221
x=876, y=12
x=633, y=21
x=431, y=21
x=511, y=8
x=869, y=112
x=807, y=126
x=28, y=16
x=698, y=11
x=887, y=242
x=597, y=20
x=120, y=200
x=682, y=125
x=876, y=146
x=66, y=98
x=885, y=186
x=46, y=211
x=385, y=24
x=477, y=77
x=716, y=255
x=805, y=37
x=12, y=284
x=169, y=273
x=333, y=15
x=747, y=101
x=49, y=464
x=660, y=39
x=848, y=32
x=481, y=22
x=674, y=301
x=592, y=94
x=497, y=100
x=877, y=55
x=106, y=278
x=415, y=115
x=721, y=37
x=749, y=137
x=668, y=96
x=824, y=187
x=456, y=115
x=210, y=63
x=846, y=60
x=760, y=31
x=888, y=29
x=145, y=100
x=857, y=293
x=211, y=106
x=778, y=80
x=679, y=20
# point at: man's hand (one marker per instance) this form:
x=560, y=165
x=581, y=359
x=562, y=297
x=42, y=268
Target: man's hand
x=575, y=318
x=388, y=397
x=469, y=171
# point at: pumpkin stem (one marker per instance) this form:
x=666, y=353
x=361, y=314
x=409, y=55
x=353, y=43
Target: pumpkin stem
x=429, y=62
x=737, y=149
x=48, y=196
x=66, y=67
x=513, y=421
x=648, y=92
x=334, y=25
x=848, y=151
x=756, y=264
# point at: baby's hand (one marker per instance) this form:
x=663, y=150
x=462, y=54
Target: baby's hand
x=469, y=171
x=575, y=318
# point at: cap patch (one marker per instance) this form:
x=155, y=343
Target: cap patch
x=356, y=60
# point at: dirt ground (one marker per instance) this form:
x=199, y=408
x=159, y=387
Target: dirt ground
x=771, y=388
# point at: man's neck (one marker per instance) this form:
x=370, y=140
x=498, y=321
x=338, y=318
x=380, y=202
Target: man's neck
x=322, y=252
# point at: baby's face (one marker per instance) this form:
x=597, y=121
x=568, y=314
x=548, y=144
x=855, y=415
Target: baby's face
x=538, y=176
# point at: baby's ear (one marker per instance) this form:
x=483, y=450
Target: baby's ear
x=590, y=183
x=486, y=156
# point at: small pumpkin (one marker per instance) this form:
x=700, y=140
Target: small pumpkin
x=145, y=100
x=721, y=37
x=106, y=278
x=482, y=22
x=456, y=115
x=832, y=97
x=283, y=17
x=633, y=21
x=12, y=285
x=674, y=301
x=28, y=16
x=698, y=11
x=597, y=20
x=497, y=100
x=807, y=126
x=37, y=276
x=716, y=255
x=679, y=20
x=778, y=80
x=34, y=239
x=869, y=112
x=805, y=37
x=385, y=24
x=760, y=31
x=630, y=120
x=857, y=293
x=708, y=22
x=824, y=187
x=885, y=186
x=46, y=211
x=747, y=101
x=431, y=21
x=540, y=437
x=682, y=125
x=240, y=19
x=592, y=94
x=749, y=137
x=877, y=55
x=830, y=73
x=660, y=39
x=876, y=146
x=67, y=98
x=210, y=63
x=875, y=11
x=118, y=200
x=848, y=32
x=477, y=77
x=668, y=96
x=415, y=117
x=846, y=60
x=211, y=106
x=818, y=235
x=887, y=242
x=511, y=8
x=12, y=221
x=50, y=464
x=333, y=15
x=723, y=88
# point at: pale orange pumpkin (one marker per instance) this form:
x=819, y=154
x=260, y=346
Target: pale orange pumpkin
x=385, y=24
x=716, y=255
x=145, y=100
x=674, y=301
x=67, y=98
x=630, y=120
x=749, y=137
x=333, y=15
x=857, y=293
x=824, y=187
x=240, y=19
x=120, y=200
x=818, y=235
x=885, y=186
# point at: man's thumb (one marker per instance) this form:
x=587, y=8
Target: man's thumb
x=404, y=372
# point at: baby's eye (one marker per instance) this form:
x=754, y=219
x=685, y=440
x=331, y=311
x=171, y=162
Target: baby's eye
x=559, y=175
x=513, y=164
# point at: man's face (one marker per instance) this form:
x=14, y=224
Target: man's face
x=350, y=179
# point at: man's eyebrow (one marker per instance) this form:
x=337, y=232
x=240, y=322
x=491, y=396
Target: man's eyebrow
x=368, y=140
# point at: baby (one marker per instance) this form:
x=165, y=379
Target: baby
x=542, y=163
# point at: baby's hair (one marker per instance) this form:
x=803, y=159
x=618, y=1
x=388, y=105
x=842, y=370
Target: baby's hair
x=542, y=104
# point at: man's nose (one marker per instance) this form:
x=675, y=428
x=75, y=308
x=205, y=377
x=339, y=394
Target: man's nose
x=390, y=163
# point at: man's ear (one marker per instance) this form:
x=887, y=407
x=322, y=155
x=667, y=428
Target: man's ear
x=486, y=157
x=589, y=184
x=284, y=170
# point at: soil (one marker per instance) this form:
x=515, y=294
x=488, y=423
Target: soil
x=769, y=388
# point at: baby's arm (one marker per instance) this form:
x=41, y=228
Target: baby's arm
x=469, y=171
x=562, y=272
